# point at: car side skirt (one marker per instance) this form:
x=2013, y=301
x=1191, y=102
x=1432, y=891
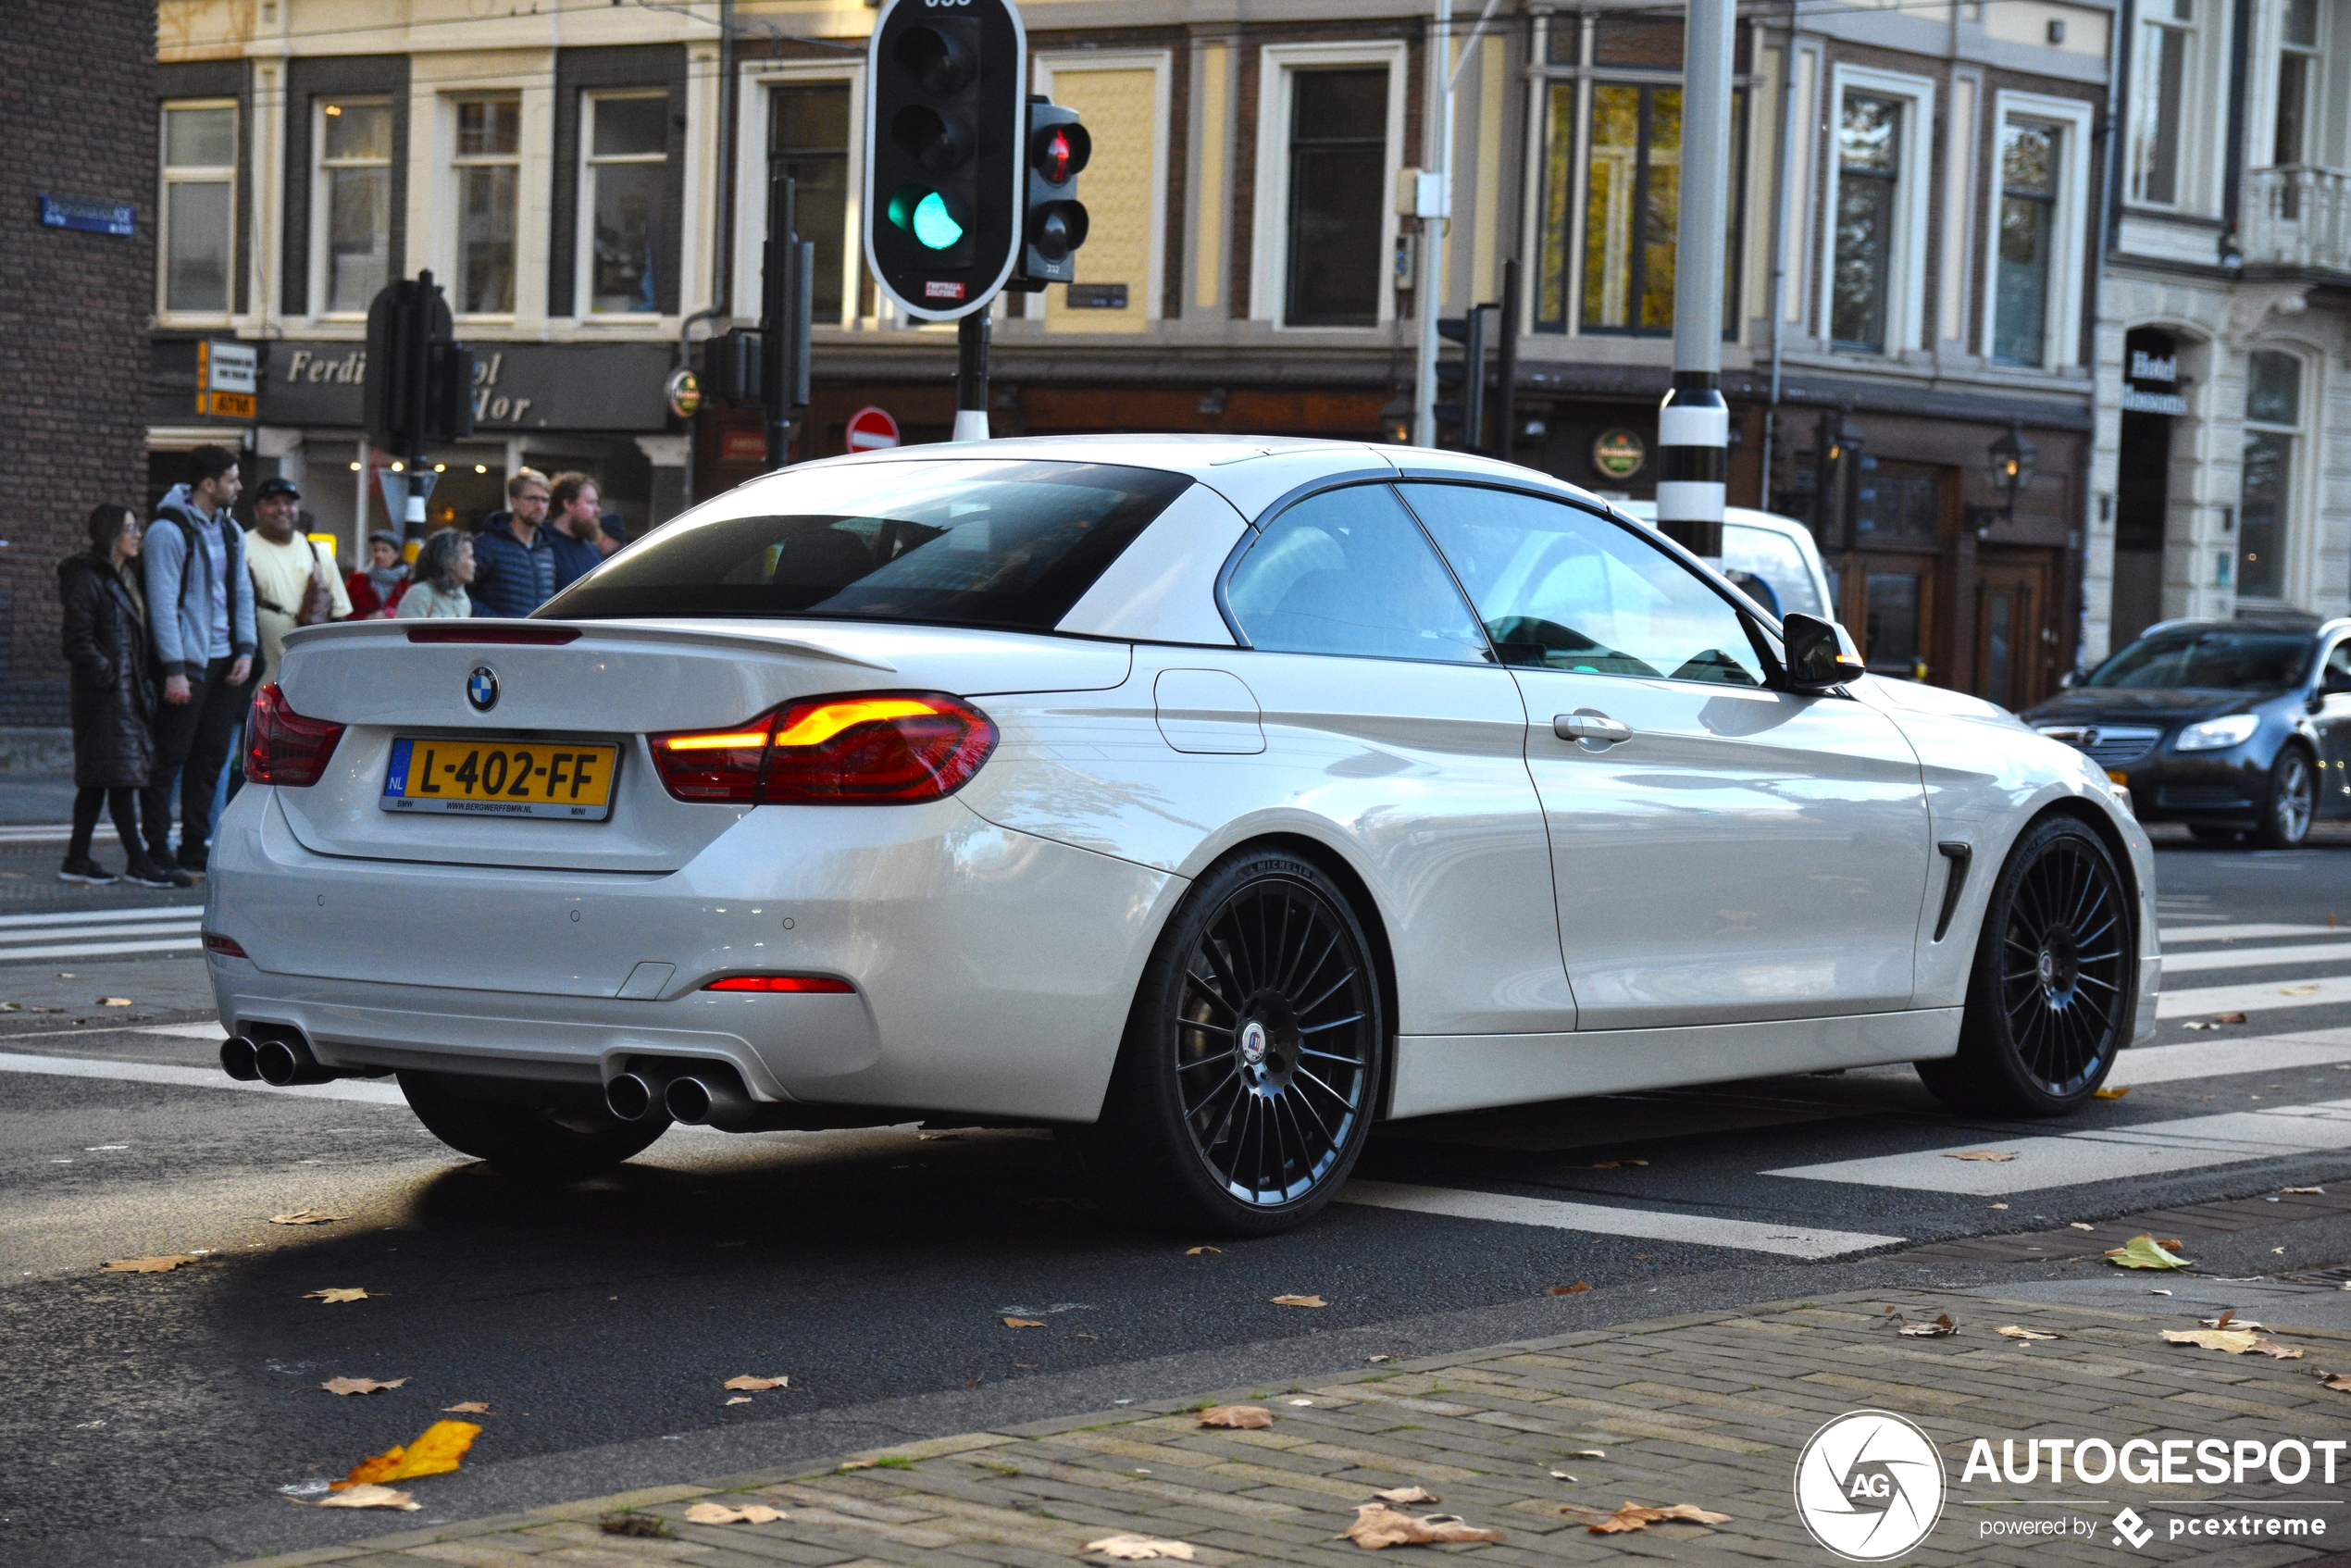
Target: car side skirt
x=1443, y=1073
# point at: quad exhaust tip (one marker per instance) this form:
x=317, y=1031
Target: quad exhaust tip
x=632, y=1097
x=708, y=1099
x=237, y=1059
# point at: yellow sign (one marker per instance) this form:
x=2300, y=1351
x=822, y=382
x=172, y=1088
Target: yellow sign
x=227, y=405
x=501, y=777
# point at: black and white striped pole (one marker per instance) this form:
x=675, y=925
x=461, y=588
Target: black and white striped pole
x=1694, y=423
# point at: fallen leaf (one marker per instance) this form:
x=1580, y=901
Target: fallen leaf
x=1137, y=1548
x=149, y=1265
x=1298, y=1401
x=1299, y=1301
x=2227, y=1320
x=471, y=1407
x=1575, y=1289
x=1561, y=1475
x=2198, y=1023
x=1376, y=1359
x=359, y=1385
x=125, y=1001
x=2315, y=1191
x=1591, y=1453
x=340, y=1293
x=1407, y=1494
x=1939, y=1329
x=365, y=1494
x=719, y=1513
x=2013, y=1332
x=1995, y=1155
x=1196, y=1251
x=2111, y=1093
x=435, y=1452
x=2278, y=1251
x=1377, y=1525
x=306, y=1216
x=1024, y=1323
x=649, y=1527
x=2297, y=990
x=739, y=1400
x=2227, y=1017
x=2144, y=1251
x=758, y=1384
x=2236, y=1342
x=848, y=1464
x=1245, y=1418
x=2335, y=1381
x=2077, y=1225
x=1633, y=1516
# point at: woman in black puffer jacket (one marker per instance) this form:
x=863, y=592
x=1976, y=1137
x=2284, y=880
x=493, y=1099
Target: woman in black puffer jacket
x=113, y=690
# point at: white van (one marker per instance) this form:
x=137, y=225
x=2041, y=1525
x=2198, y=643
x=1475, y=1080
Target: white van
x=1774, y=556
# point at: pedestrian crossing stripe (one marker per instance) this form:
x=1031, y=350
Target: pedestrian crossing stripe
x=2259, y=998
x=2257, y=958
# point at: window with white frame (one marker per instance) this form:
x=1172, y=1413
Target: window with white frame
x=486, y=174
x=2297, y=83
x=1868, y=219
x=623, y=185
x=1330, y=126
x=2166, y=33
x=2026, y=242
x=352, y=195
x=2273, y=430
x=809, y=138
x=199, y=207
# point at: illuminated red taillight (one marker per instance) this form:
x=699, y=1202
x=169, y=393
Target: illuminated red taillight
x=283, y=747
x=805, y=985
x=867, y=749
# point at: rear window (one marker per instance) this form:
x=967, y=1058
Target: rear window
x=957, y=542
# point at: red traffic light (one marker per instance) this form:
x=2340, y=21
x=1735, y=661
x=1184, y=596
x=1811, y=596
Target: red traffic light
x=1059, y=151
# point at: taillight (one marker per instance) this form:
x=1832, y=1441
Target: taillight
x=869, y=749
x=803, y=985
x=228, y=947
x=283, y=747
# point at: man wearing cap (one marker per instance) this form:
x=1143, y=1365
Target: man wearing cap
x=295, y=582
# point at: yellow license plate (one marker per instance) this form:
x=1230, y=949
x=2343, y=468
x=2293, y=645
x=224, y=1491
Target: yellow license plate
x=489, y=776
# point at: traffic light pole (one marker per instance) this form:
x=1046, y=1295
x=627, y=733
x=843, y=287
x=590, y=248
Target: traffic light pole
x=776, y=293
x=971, y=377
x=1694, y=423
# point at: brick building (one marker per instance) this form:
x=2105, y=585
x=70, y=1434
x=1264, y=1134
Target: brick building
x=74, y=304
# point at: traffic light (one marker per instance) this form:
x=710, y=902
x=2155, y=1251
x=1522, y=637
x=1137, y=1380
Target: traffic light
x=1055, y=224
x=730, y=368
x=943, y=152
x=1463, y=380
x=420, y=388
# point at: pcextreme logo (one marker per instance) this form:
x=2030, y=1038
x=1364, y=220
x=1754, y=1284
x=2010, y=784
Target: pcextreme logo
x=1868, y=1486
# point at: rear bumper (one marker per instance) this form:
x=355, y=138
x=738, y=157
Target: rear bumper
x=993, y=970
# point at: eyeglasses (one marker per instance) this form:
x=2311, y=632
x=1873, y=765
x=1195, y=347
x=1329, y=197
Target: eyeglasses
x=533, y=495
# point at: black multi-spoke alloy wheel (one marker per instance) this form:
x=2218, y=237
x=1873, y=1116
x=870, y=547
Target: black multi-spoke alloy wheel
x=546, y=1142
x=2290, y=801
x=2050, y=999
x=1251, y=1066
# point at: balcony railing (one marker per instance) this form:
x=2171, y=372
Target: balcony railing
x=2298, y=216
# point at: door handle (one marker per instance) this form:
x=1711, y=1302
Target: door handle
x=1592, y=730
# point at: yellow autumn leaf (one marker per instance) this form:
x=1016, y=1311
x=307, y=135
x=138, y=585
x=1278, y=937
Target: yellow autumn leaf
x=338, y=1293
x=1299, y=1301
x=1022, y=1323
x=435, y=1452
x=148, y=1265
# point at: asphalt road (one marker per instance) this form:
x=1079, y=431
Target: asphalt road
x=158, y=1418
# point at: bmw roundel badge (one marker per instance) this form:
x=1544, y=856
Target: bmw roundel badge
x=482, y=689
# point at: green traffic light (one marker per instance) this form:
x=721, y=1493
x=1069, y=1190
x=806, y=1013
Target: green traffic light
x=933, y=225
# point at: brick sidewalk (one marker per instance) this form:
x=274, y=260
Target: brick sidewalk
x=1711, y=1409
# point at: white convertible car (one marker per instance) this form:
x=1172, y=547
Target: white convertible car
x=1209, y=798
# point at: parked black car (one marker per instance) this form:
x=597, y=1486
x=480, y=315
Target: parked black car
x=2231, y=727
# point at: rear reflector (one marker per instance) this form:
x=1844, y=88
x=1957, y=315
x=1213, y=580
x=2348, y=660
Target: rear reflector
x=526, y=636
x=874, y=748
x=283, y=747
x=806, y=985
x=225, y=946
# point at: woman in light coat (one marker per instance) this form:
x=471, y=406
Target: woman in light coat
x=443, y=569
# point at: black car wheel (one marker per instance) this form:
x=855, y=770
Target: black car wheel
x=524, y=1139
x=1250, y=1072
x=2049, y=1000
x=2290, y=803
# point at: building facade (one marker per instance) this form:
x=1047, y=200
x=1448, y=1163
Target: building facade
x=2224, y=329
x=77, y=264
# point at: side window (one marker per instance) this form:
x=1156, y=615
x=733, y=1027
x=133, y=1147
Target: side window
x=2338, y=668
x=1563, y=589
x=1347, y=572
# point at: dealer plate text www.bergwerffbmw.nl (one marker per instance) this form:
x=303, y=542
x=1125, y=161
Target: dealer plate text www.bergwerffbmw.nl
x=498, y=777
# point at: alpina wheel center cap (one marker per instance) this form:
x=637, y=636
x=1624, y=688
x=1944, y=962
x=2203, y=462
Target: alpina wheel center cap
x=1254, y=1042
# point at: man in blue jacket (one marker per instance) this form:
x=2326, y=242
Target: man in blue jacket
x=200, y=617
x=514, y=559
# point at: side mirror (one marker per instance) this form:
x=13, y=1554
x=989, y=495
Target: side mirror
x=1821, y=653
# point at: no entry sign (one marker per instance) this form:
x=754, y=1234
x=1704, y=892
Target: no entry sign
x=871, y=428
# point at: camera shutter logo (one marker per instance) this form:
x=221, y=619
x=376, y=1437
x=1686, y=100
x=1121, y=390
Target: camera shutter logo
x=1868, y=1486
x=482, y=689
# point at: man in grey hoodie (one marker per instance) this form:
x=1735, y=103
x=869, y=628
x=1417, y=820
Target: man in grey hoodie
x=200, y=617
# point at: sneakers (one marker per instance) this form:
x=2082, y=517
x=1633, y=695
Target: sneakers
x=152, y=872
x=81, y=868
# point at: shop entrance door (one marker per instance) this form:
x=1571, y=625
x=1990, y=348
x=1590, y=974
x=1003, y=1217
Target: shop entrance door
x=2010, y=597
x=1901, y=517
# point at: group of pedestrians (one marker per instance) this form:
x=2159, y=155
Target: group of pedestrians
x=171, y=627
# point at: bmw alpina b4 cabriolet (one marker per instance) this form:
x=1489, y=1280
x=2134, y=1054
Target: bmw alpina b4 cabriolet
x=1208, y=798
